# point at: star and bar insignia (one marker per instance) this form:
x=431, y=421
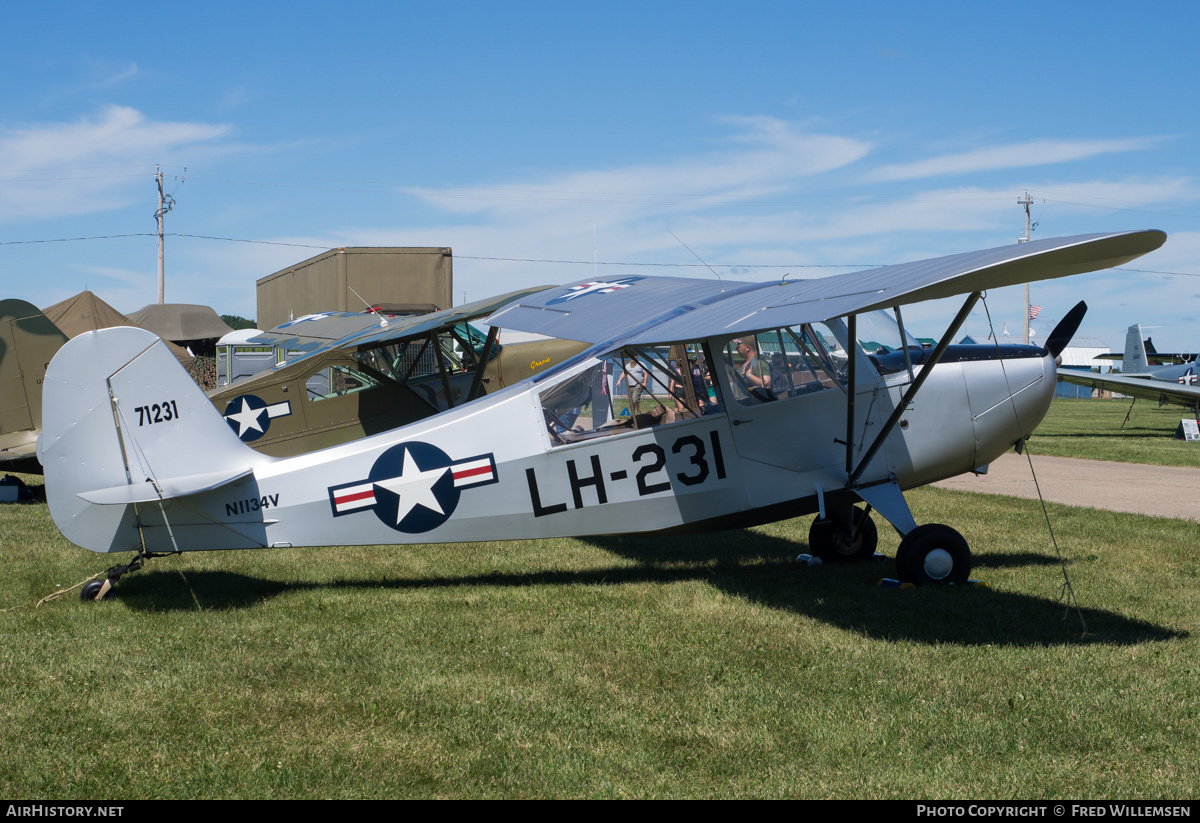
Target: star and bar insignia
x=594, y=287
x=250, y=416
x=413, y=487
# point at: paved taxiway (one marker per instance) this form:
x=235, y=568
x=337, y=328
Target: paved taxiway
x=1160, y=491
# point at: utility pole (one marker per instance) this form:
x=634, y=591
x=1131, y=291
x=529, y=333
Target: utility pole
x=165, y=204
x=1027, y=202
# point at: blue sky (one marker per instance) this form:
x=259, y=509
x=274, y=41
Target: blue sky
x=777, y=137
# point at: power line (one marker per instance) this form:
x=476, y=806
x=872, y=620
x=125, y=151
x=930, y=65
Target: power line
x=676, y=265
x=537, y=259
x=242, y=240
x=72, y=239
x=1152, y=271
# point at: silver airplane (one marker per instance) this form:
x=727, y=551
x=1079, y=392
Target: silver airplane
x=757, y=402
x=1174, y=384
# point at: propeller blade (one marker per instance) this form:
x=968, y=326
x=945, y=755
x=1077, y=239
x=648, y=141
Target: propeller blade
x=1065, y=330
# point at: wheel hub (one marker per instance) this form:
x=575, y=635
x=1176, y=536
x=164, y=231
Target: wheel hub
x=939, y=564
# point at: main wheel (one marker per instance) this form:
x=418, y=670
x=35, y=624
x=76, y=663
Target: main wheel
x=831, y=540
x=933, y=554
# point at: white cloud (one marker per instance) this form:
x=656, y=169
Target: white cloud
x=120, y=75
x=769, y=156
x=81, y=167
x=1012, y=156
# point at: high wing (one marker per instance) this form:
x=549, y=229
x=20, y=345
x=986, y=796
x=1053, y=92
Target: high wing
x=649, y=310
x=343, y=330
x=1162, y=391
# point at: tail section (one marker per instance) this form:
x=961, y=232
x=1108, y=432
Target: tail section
x=123, y=424
x=1135, y=361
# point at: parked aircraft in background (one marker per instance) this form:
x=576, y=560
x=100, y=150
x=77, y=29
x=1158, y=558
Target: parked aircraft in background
x=1140, y=355
x=28, y=341
x=349, y=375
x=772, y=410
x=1175, y=384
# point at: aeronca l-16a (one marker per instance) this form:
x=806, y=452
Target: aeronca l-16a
x=763, y=404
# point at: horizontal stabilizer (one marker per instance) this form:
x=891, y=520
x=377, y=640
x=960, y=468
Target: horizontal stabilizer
x=163, y=490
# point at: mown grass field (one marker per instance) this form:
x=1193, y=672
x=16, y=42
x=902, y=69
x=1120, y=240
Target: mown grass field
x=1093, y=429
x=708, y=666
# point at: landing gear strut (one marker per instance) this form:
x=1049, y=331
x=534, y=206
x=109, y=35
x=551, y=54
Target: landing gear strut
x=843, y=539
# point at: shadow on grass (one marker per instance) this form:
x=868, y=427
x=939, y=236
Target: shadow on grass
x=995, y=560
x=753, y=566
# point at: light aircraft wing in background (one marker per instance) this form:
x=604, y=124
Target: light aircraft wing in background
x=1184, y=393
x=323, y=331
x=763, y=405
x=352, y=375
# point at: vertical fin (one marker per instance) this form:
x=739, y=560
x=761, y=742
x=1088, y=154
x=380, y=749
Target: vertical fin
x=120, y=412
x=1135, y=361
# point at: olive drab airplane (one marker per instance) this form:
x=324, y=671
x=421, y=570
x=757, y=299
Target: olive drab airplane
x=28, y=340
x=346, y=375
x=762, y=404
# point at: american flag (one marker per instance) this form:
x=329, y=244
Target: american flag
x=1034, y=311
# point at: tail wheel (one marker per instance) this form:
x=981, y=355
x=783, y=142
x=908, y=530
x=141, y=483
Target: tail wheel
x=836, y=542
x=933, y=554
x=90, y=589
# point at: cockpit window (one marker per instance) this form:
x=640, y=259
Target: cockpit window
x=634, y=388
x=889, y=346
x=782, y=363
x=338, y=380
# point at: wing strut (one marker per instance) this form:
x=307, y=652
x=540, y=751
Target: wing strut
x=482, y=361
x=851, y=392
x=926, y=370
x=444, y=372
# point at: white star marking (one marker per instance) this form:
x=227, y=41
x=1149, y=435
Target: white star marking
x=247, y=418
x=590, y=288
x=417, y=486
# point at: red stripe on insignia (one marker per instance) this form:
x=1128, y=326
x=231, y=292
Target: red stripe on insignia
x=353, y=498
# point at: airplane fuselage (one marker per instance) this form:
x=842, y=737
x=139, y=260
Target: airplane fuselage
x=491, y=469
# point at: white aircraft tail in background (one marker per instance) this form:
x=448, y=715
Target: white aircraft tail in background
x=1135, y=361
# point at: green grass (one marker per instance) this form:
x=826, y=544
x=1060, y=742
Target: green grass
x=1092, y=429
x=708, y=666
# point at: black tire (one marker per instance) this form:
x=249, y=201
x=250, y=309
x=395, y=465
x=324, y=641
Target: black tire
x=90, y=590
x=829, y=539
x=902, y=551
x=933, y=555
